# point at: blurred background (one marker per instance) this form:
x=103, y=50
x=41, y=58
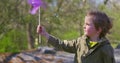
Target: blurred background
x=62, y=18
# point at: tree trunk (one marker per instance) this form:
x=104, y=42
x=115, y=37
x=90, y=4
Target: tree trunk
x=105, y=2
x=30, y=37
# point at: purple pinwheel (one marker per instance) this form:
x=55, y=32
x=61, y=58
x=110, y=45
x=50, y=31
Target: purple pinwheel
x=35, y=5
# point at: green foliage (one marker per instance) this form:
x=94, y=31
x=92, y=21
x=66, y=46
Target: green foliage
x=14, y=41
x=70, y=35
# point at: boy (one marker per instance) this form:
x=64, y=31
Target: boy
x=93, y=46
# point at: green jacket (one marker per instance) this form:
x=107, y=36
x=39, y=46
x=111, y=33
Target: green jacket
x=101, y=53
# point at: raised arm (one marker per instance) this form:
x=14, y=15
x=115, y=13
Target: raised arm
x=69, y=46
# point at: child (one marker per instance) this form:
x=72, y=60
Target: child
x=93, y=46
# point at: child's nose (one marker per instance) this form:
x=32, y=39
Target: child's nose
x=84, y=26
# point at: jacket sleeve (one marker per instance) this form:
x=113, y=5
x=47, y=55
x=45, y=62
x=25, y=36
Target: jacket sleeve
x=68, y=46
x=108, y=54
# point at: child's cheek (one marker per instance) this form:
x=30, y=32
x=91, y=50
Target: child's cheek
x=89, y=30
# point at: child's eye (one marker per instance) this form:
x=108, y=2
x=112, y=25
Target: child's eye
x=87, y=24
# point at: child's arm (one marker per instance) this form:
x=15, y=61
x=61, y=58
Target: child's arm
x=69, y=46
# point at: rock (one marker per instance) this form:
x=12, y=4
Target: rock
x=117, y=55
x=5, y=57
x=15, y=60
x=47, y=50
x=40, y=56
x=118, y=46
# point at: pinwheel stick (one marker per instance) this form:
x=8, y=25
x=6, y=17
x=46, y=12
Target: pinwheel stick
x=39, y=39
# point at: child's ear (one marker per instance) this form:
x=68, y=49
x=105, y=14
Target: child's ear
x=99, y=30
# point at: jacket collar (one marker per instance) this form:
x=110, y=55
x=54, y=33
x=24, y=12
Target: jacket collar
x=103, y=41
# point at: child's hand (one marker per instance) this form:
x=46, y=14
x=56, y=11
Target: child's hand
x=41, y=30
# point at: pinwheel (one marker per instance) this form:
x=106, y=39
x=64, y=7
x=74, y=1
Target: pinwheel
x=36, y=4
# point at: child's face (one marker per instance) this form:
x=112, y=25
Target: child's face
x=89, y=28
